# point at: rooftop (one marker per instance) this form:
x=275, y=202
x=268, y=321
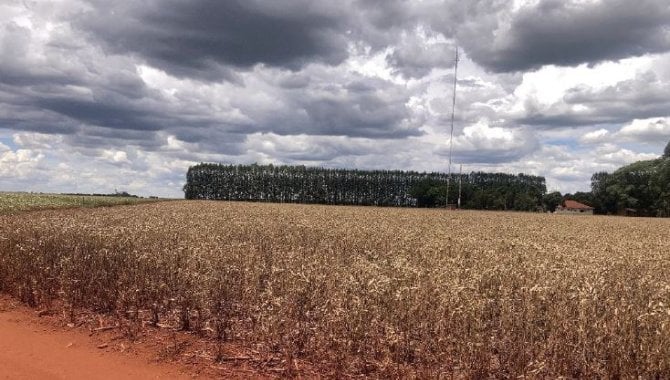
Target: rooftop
x=576, y=205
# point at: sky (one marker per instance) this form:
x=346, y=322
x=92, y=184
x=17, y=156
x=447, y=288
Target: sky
x=100, y=96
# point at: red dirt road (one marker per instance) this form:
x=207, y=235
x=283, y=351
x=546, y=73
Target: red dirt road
x=31, y=350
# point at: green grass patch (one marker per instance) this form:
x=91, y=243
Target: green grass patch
x=18, y=202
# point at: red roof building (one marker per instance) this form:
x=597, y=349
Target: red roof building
x=574, y=207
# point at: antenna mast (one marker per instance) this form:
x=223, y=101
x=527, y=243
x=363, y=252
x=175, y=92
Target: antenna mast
x=451, y=133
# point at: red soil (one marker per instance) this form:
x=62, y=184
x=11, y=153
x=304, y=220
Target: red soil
x=39, y=348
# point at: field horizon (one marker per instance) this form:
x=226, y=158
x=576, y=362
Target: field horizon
x=22, y=201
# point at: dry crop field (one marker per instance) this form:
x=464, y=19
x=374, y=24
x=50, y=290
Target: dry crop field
x=380, y=292
x=18, y=202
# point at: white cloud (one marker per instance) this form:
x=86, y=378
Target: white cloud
x=596, y=136
x=654, y=132
x=34, y=140
x=114, y=156
x=19, y=163
x=481, y=143
x=649, y=130
x=549, y=84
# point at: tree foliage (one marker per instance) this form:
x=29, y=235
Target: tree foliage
x=552, y=200
x=643, y=186
x=300, y=184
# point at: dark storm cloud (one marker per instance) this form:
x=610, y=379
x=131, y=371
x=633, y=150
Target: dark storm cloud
x=337, y=104
x=21, y=77
x=18, y=112
x=110, y=110
x=96, y=100
x=567, y=33
x=106, y=137
x=211, y=141
x=211, y=40
x=643, y=97
x=202, y=38
x=67, y=85
x=294, y=82
x=109, y=115
x=370, y=116
x=100, y=113
x=366, y=116
x=114, y=102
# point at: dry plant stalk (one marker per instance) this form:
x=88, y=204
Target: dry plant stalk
x=371, y=291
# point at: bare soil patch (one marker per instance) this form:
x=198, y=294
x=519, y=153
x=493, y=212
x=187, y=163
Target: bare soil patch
x=40, y=345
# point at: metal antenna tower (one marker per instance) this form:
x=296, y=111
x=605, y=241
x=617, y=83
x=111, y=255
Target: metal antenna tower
x=451, y=133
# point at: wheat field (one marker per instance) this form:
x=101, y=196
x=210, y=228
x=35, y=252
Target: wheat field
x=380, y=292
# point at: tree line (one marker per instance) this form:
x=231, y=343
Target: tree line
x=300, y=184
x=641, y=189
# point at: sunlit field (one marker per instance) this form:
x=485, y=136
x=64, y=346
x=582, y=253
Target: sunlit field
x=16, y=202
x=382, y=292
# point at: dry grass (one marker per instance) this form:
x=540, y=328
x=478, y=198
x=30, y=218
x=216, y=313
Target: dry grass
x=18, y=202
x=378, y=292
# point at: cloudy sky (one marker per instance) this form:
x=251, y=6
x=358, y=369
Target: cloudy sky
x=101, y=95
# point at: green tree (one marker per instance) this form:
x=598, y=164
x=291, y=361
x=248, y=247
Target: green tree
x=269, y=183
x=525, y=202
x=427, y=193
x=552, y=200
x=643, y=186
x=661, y=183
x=603, y=201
